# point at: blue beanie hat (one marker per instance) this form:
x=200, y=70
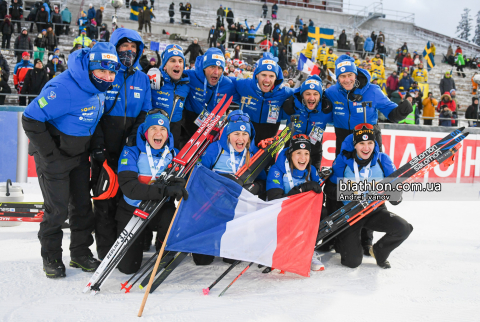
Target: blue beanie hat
x=235, y=124
x=345, y=64
x=171, y=51
x=157, y=119
x=213, y=56
x=313, y=82
x=267, y=63
x=103, y=52
x=54, y=56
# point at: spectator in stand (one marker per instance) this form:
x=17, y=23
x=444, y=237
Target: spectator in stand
x=360, y=44
x=330, y=62
x=429, y=104
x=230, y=17
x=447, y=83
x=41, y=20
x=61, y=57
x=57, y=21
x=237, y=53
x=34, y=80
x=48, y=9
x=4, y=67
x=322, y=55
x=267, y=29
x=406, y=81
x=472, y=113
x=392, y=83
x=458, y=50
x=399, y=60
x=52, y=40
x=33, y=13
x=274, y=11
x=398, y=95
x=99, y=16
x=368, y=46
x=183, y=11
x=82, y=40
x=212, y=37
x=446, y=100
x=474, y=85
x=24, y=43
x=147, y=17
x=104, y=33
x=407, y=61
x=19, y=73
x=54, y=68
x=303, y=36
x=274, y=49
x=4, y=88
x=277, y=33
x=66, y=19
x=374, y=39
x=222, y=35
x=188, y=11
x=310, y=23
x=265, y=10
x=252, y=32
x=140, y=19
x=342, y=40
x=6, y=28
x=292, y=29
x=3, y=12
x=81, y=22
x=420, y=74
x=382, y=51
x=16, y=12
x=40, y=44
x=282, y=58
x=195, y=50
x=91, y=12
x=460, y=62
x=446, y=116
x=380, y=39
x=356, y=60
x=171, y=12
x=220, y=46
x=289, y=39
x=92, y=29
x=153, y=63
x=404, y=47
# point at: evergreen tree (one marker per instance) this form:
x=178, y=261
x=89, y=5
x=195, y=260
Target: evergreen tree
x=464, y=27
x=476, y=36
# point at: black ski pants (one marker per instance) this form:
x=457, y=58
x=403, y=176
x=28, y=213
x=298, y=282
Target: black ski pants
x=132, y=260
x=64, y=182
x=396, y=230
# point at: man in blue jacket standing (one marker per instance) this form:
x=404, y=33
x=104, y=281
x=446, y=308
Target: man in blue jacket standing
x=352, y=88
x=252, y=32
x=170, y=88
x=126, y=107
x=207, y=87
x=262, y=96
x=60, y=123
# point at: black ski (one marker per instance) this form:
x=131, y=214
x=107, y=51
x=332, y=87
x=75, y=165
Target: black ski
x=168, y=270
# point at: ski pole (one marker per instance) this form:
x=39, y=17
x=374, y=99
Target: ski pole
x=208, y=289
x=157, y=263
x=236, y=278
x=124, y=285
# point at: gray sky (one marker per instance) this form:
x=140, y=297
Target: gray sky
x=438, y=15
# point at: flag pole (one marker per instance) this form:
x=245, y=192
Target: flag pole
x=157, y=263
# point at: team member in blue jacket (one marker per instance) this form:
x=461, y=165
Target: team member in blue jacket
x=294, y=173
x=60, y=123
x=227, y=155
x=170, y=87
x=360, y=159
x=207, y=87
x=126, y=106
x=306, y=103
x=352, y=88
x=138, y=168
x=263, y=96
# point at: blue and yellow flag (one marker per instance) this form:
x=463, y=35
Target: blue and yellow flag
x=429, y=58
x=321, y=35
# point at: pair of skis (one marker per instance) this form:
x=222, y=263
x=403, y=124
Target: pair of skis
x=180, y=167
x=22, y=211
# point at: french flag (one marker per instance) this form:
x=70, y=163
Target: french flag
x=307, y=66
x=220, y=218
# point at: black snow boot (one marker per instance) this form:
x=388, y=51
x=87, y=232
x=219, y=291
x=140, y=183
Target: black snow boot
x=384, y=265
x=54, y=268
x=85, y=262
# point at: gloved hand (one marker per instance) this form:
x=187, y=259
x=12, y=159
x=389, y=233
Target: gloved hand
x=176, y=191
x=304, y=187
x=99, y=154
x=327, y=105
x=131, y=140
x=405, y=107
x=178, y=182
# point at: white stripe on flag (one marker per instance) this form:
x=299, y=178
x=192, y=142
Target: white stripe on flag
x=253, y=234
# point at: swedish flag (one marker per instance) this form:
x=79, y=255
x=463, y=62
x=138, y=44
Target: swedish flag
x=321, y=35
x=429, y=58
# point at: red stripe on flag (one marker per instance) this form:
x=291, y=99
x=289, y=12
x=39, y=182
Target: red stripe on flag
x=297, y=227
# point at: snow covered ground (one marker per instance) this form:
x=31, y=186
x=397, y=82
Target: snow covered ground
x=435, y=276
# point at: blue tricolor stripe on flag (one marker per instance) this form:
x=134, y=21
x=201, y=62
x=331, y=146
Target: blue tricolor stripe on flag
x=429, y=58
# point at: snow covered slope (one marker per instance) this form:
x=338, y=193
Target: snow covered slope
x=435, y=276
